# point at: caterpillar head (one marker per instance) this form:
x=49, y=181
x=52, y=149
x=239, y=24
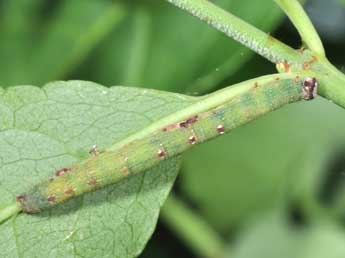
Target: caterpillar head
x=310, y=86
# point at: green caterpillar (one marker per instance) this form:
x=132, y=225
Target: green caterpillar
x=213, y=115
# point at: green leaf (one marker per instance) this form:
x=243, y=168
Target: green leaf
x=45, y=129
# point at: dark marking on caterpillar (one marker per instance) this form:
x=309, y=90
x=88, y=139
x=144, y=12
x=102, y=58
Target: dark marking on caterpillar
x=171, y=128
x=307, y=65
x=183, y=124
x=92, y=182
x=192, y=120
x=310, y=86
x=192, y=140
x=22, y=198
x=51, y=199
x=62, y=172
x=301, y=51
x=221, y=129
x=284, y=66
x=161, y=153
x=94, y=150
x=70, y=191
x=188, y=122
x=125, y=171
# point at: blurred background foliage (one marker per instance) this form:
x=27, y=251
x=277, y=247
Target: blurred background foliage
x=272, y=188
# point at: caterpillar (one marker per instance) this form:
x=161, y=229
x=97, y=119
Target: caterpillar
x=214, y=115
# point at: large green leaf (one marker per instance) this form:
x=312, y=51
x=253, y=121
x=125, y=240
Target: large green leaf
x=49, y=128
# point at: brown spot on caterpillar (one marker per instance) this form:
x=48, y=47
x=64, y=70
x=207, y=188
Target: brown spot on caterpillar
x=306, y=66
x=256, y=85
x=301, y=51
x=62, y=171
x=183, y=124
x=192, y=140
x=92, y=182
x=170, y=128
x=310, y=86
x=125, y=171
x=70, y=191
x=51, y=199
x=94, y=150
x=21, y=198
x=283, y=66
x=188, y=122
x=192, y=120
x=277, y=79
x=221, y=129
x=297, y=78
x=161, y=153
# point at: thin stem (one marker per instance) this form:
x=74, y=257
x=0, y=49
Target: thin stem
x=192, y=229
x=100, y=28
x=139, y=46
x=9, y=211
x=248, y=35
x=294, y=10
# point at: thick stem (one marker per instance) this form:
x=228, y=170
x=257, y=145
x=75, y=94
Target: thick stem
x=248, y=35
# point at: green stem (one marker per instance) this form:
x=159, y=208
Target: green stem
x=192, y=229
x=9, y=211
x=306, y=29
x=87, y=41
x=248, y=35
x=332, y=81
x=139, y=46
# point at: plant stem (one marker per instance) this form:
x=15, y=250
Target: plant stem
x=248, y=35
x=332, y=81
x=192, y=229
x=9, y=211
x=306, y=29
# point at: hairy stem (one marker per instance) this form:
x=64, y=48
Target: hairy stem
x=306, y=29
x=192, y=229
x=248, y=35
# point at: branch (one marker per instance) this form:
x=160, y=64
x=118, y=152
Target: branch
x=235, y=28
x=306, y=29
